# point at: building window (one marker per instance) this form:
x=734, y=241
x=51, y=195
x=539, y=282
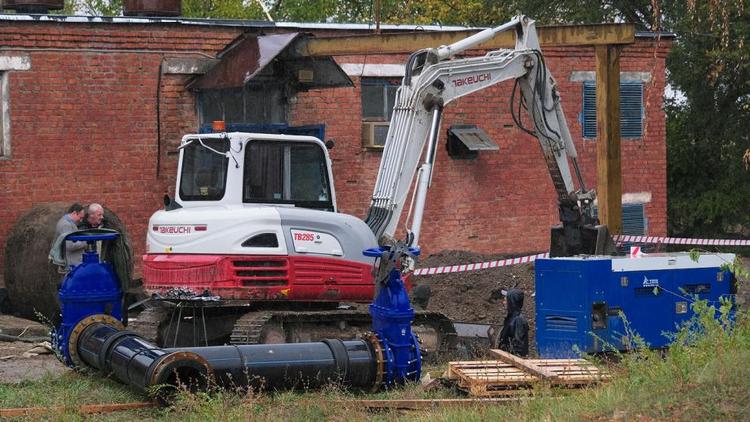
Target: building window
x=254, y=103
x=634, y=221
x=631, y=109
x=4, y=117
x=378, y=98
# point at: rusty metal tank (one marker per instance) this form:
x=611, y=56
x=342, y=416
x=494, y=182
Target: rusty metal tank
x=151, y=7
x=33, y=6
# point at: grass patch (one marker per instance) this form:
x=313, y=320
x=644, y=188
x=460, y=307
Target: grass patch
x=69, y=389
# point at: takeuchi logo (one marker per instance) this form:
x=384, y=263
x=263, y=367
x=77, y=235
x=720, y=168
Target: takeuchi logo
x=473, y=79
x=179, y=228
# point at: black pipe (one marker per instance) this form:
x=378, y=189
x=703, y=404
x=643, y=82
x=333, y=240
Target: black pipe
x=133, y=361
x=291, y=365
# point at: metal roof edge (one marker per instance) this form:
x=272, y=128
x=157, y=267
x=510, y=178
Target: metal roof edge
x=259, y=23
x=659, y=34
x=222, y=22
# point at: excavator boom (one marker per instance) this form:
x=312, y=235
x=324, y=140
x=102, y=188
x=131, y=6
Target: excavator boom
x=433, y=79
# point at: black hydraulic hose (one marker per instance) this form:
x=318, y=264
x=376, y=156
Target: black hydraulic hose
x=134, y=361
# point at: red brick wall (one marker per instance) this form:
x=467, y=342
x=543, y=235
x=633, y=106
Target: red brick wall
x=83, y=117
x=84, y=128
x=502, y=201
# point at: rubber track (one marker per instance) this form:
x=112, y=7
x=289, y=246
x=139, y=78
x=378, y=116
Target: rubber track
x=148, y=322
x=249, y=328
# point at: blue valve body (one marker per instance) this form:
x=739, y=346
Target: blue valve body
x=90, y=288
x=392, y=316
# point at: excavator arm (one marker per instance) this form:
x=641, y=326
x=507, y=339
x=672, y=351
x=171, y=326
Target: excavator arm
x=432, y=80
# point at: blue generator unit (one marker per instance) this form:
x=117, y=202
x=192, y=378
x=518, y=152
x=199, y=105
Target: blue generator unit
x=581, y=301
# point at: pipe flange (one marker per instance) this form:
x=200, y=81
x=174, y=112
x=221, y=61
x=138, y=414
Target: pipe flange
x=81, y=326
x=379, y=359
x=175, y=360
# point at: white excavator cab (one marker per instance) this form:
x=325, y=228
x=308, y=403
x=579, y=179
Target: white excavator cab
x=249, y=168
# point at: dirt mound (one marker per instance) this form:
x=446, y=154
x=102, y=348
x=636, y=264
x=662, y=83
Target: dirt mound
x=32, y=282
x=475, y=296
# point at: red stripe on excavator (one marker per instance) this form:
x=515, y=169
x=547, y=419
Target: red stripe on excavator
x=256, y=277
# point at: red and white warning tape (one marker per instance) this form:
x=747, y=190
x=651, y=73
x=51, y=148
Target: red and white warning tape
x=681, y=240
x=618, y=238
x=479, y=265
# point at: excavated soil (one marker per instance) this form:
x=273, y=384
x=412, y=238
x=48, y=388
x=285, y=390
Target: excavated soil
x=475, y=296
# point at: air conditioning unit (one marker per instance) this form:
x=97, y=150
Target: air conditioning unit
x=374, y=134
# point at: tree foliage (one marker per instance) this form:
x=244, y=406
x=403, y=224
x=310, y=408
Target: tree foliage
x=709, y=188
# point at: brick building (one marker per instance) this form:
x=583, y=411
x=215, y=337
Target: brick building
x=93, y=109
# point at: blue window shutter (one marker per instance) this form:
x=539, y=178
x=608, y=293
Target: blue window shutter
x=631, y=109
x=589, y=109
x=634, y=221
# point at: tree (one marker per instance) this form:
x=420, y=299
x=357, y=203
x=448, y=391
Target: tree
x=709, y=191
x=707, y=133
x=93, y=7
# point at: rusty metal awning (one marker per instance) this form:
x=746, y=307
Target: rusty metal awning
x=252, y=58
x=473, y=137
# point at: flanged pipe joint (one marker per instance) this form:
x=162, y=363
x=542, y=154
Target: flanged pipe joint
x=102, y=345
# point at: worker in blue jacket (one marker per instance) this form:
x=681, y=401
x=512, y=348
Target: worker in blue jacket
x=514, y=337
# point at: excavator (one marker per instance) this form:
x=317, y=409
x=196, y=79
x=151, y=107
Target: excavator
x=252, y=249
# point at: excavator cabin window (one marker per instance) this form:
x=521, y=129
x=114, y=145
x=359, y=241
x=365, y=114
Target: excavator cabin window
x=204, y=172
x=292, y=173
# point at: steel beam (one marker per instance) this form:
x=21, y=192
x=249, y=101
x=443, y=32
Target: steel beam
x=572, y=35
x=608, y=164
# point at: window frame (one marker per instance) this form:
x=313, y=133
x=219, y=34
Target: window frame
x=5, y=149
x=287, y=179
x=246, y=94
x=183, y=161
x=8, y=62
x=385, y=83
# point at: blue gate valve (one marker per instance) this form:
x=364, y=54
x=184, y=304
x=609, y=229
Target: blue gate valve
x=392, y=316
x=90, y=288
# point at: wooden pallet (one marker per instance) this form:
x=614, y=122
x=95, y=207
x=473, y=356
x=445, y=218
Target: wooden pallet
x=511, y=375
